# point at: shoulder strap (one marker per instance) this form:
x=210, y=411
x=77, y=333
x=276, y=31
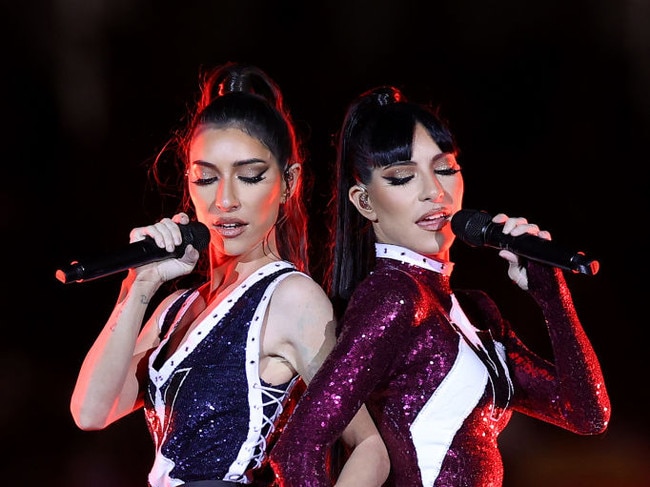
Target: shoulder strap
x=172, y=311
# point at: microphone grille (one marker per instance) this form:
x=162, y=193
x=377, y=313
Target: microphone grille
x=197, y=234
x=469, y=226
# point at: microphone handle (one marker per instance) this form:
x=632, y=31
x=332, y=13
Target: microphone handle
x=533, y=248
x=136, y=254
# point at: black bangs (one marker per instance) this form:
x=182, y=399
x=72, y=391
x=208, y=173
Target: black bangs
x=391, y=136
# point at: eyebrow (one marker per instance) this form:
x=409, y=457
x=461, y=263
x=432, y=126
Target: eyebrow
x=243, y=162
x=443, y=155
x=435, y=158
x=398, y=163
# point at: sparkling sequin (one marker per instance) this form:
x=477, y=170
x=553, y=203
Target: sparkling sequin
x=417, y=371
x=207, y=412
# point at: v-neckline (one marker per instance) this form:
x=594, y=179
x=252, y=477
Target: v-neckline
x=205, y=320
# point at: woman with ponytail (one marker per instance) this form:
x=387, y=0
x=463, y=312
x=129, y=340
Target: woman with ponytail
x=440, y=370
x=214, y=366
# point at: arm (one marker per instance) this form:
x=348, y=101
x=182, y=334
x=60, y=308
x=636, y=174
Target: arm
x=570, y=392
x=335, y=396
x=368, y=464
x=108, y=385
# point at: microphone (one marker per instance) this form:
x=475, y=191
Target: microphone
x=133, y=255
x=477, y=229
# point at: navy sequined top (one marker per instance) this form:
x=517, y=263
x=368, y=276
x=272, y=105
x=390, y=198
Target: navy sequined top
x=207, y=410
x=440, y=380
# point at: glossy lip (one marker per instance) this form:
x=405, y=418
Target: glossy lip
x=434, y=220
x=229, y=227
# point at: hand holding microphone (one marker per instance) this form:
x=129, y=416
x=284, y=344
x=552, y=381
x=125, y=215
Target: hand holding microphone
x=140, y=252
x=477, y=229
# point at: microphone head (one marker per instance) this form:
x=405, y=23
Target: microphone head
x=470, y=225
x=195, y=233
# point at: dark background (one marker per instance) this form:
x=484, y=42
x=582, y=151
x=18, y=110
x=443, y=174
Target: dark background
x=550, y=105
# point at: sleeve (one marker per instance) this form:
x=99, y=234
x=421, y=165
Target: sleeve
x=377, y=318
x=570, y=391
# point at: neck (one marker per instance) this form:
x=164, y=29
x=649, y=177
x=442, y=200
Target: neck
x=227, y=272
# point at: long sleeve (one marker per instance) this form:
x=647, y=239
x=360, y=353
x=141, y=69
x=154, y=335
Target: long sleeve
x=570, y=392
x=366, y=347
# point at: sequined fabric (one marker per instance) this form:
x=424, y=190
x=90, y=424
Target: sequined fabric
x=206, y=408
x=428, y=391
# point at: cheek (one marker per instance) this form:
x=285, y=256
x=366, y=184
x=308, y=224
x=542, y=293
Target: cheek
x=201, y=196
x=392, y=203
x=262, y=204
x=265, y=199
x=455, y=190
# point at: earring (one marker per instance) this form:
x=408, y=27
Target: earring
x=363, y=201
x=288, y=178
x=285, y=195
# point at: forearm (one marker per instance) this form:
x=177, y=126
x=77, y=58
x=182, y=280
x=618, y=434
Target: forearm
x=330, y=409
x=580, y=385
x=107, y=386
x=368, y=465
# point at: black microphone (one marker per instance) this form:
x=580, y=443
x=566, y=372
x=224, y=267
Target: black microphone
x=476, y=228
x=133, y=255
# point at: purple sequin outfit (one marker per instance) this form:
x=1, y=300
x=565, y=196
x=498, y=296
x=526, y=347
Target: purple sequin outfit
x=440, y=381
x=207, y=410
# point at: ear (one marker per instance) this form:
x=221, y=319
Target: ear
x=289, y=178
x=360, y=199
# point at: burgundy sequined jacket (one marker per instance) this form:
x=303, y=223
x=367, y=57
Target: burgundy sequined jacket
x=441, y=372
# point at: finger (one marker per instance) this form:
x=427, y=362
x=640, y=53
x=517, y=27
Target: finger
x=500, y=218
x=140, y=233
x=191, y=255
x=523, y=228
x=181, y=218
x=520, y=279
x=509, y=256
x=170, y=233
x=512, y=223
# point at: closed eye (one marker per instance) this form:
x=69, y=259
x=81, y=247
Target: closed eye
x=447, y=172
x=205, y=181
x=253, y=179
x=398, y=181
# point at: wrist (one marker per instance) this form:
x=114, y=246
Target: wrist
x=142, y=283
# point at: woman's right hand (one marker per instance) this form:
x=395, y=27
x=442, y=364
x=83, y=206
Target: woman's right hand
x=516, y=226
x=166, y=234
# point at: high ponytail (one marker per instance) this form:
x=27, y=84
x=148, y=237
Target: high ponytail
x=243, y=96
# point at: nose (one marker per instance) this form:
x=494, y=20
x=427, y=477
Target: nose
x=226, y=197
x=432, y=188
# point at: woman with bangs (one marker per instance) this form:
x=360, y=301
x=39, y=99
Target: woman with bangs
x=440, y=370
x=216, y=365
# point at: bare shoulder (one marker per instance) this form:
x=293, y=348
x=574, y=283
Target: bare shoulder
x=299, y=288
x=301, y=301
x=300, y=325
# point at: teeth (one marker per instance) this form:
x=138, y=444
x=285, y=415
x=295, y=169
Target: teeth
x=434, y=218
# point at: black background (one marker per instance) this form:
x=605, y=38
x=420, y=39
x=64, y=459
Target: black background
x=550, y=105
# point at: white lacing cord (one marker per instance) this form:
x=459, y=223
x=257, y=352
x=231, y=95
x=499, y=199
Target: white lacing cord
x=260, y=445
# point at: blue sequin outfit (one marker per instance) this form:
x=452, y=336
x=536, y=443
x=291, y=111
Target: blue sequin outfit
x=440, y=380
x=206, y=408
